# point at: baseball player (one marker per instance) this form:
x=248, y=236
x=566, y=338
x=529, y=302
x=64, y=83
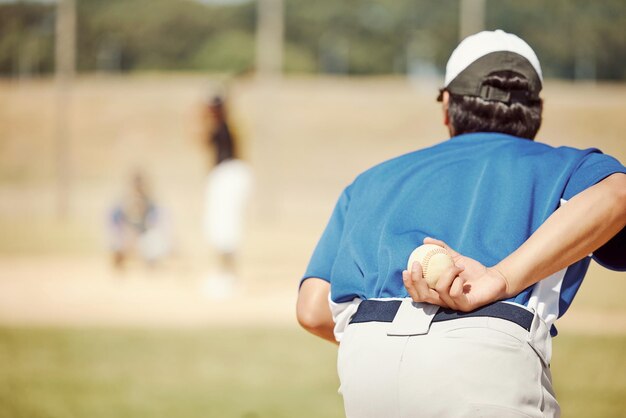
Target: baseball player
x=137, y=224
x=228, y=187
x=520, y=218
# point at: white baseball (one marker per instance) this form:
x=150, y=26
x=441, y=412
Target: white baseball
x=434, y=261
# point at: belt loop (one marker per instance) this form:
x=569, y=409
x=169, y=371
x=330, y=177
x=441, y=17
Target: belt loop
x=413, y=318
x=539, y=338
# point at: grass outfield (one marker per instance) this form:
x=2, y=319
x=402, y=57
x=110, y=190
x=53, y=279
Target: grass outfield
x=234, y=373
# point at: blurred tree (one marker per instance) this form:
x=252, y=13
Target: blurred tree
x=26, y=39
x=573, y=38
x=570, y=36
x=165, y=34
x=238, y=57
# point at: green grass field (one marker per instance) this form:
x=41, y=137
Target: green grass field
x=141, y=373
x=275, y=372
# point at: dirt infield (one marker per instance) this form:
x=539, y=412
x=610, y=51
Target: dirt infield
x=86, y=292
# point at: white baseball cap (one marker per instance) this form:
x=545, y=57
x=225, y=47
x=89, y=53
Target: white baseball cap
x=484, y=53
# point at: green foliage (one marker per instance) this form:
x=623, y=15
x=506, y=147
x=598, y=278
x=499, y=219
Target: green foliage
x=167, y=34
x=573, y=38
x=569, y=36
x=237, y=57
x=299, y=60
x=26, y=38
x=369, y=36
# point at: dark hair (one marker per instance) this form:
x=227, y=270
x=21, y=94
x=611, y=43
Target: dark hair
x=475, y=114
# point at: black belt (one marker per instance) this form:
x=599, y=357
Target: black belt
x=385, y=311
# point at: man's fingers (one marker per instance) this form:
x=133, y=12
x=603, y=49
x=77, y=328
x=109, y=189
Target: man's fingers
x=418, y=282
x=456, y=290
x=429, y=240
x=445, y=283
x=417, y=287
x=408, y=285
x=435, y=299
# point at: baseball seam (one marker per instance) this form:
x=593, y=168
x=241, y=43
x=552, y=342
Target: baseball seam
x=427, y=257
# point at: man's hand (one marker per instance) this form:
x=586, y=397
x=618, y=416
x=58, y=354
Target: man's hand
x=467, y=286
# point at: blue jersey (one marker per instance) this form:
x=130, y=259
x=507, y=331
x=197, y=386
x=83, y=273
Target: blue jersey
x=484, y=194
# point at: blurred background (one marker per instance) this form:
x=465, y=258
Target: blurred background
x=114, y=299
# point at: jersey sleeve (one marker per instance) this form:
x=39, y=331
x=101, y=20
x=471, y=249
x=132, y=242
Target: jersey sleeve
x=594, y=168
x=612, y=255
x=325, y=252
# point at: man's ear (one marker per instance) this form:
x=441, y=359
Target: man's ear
x=445, y=100
x=444, y=105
